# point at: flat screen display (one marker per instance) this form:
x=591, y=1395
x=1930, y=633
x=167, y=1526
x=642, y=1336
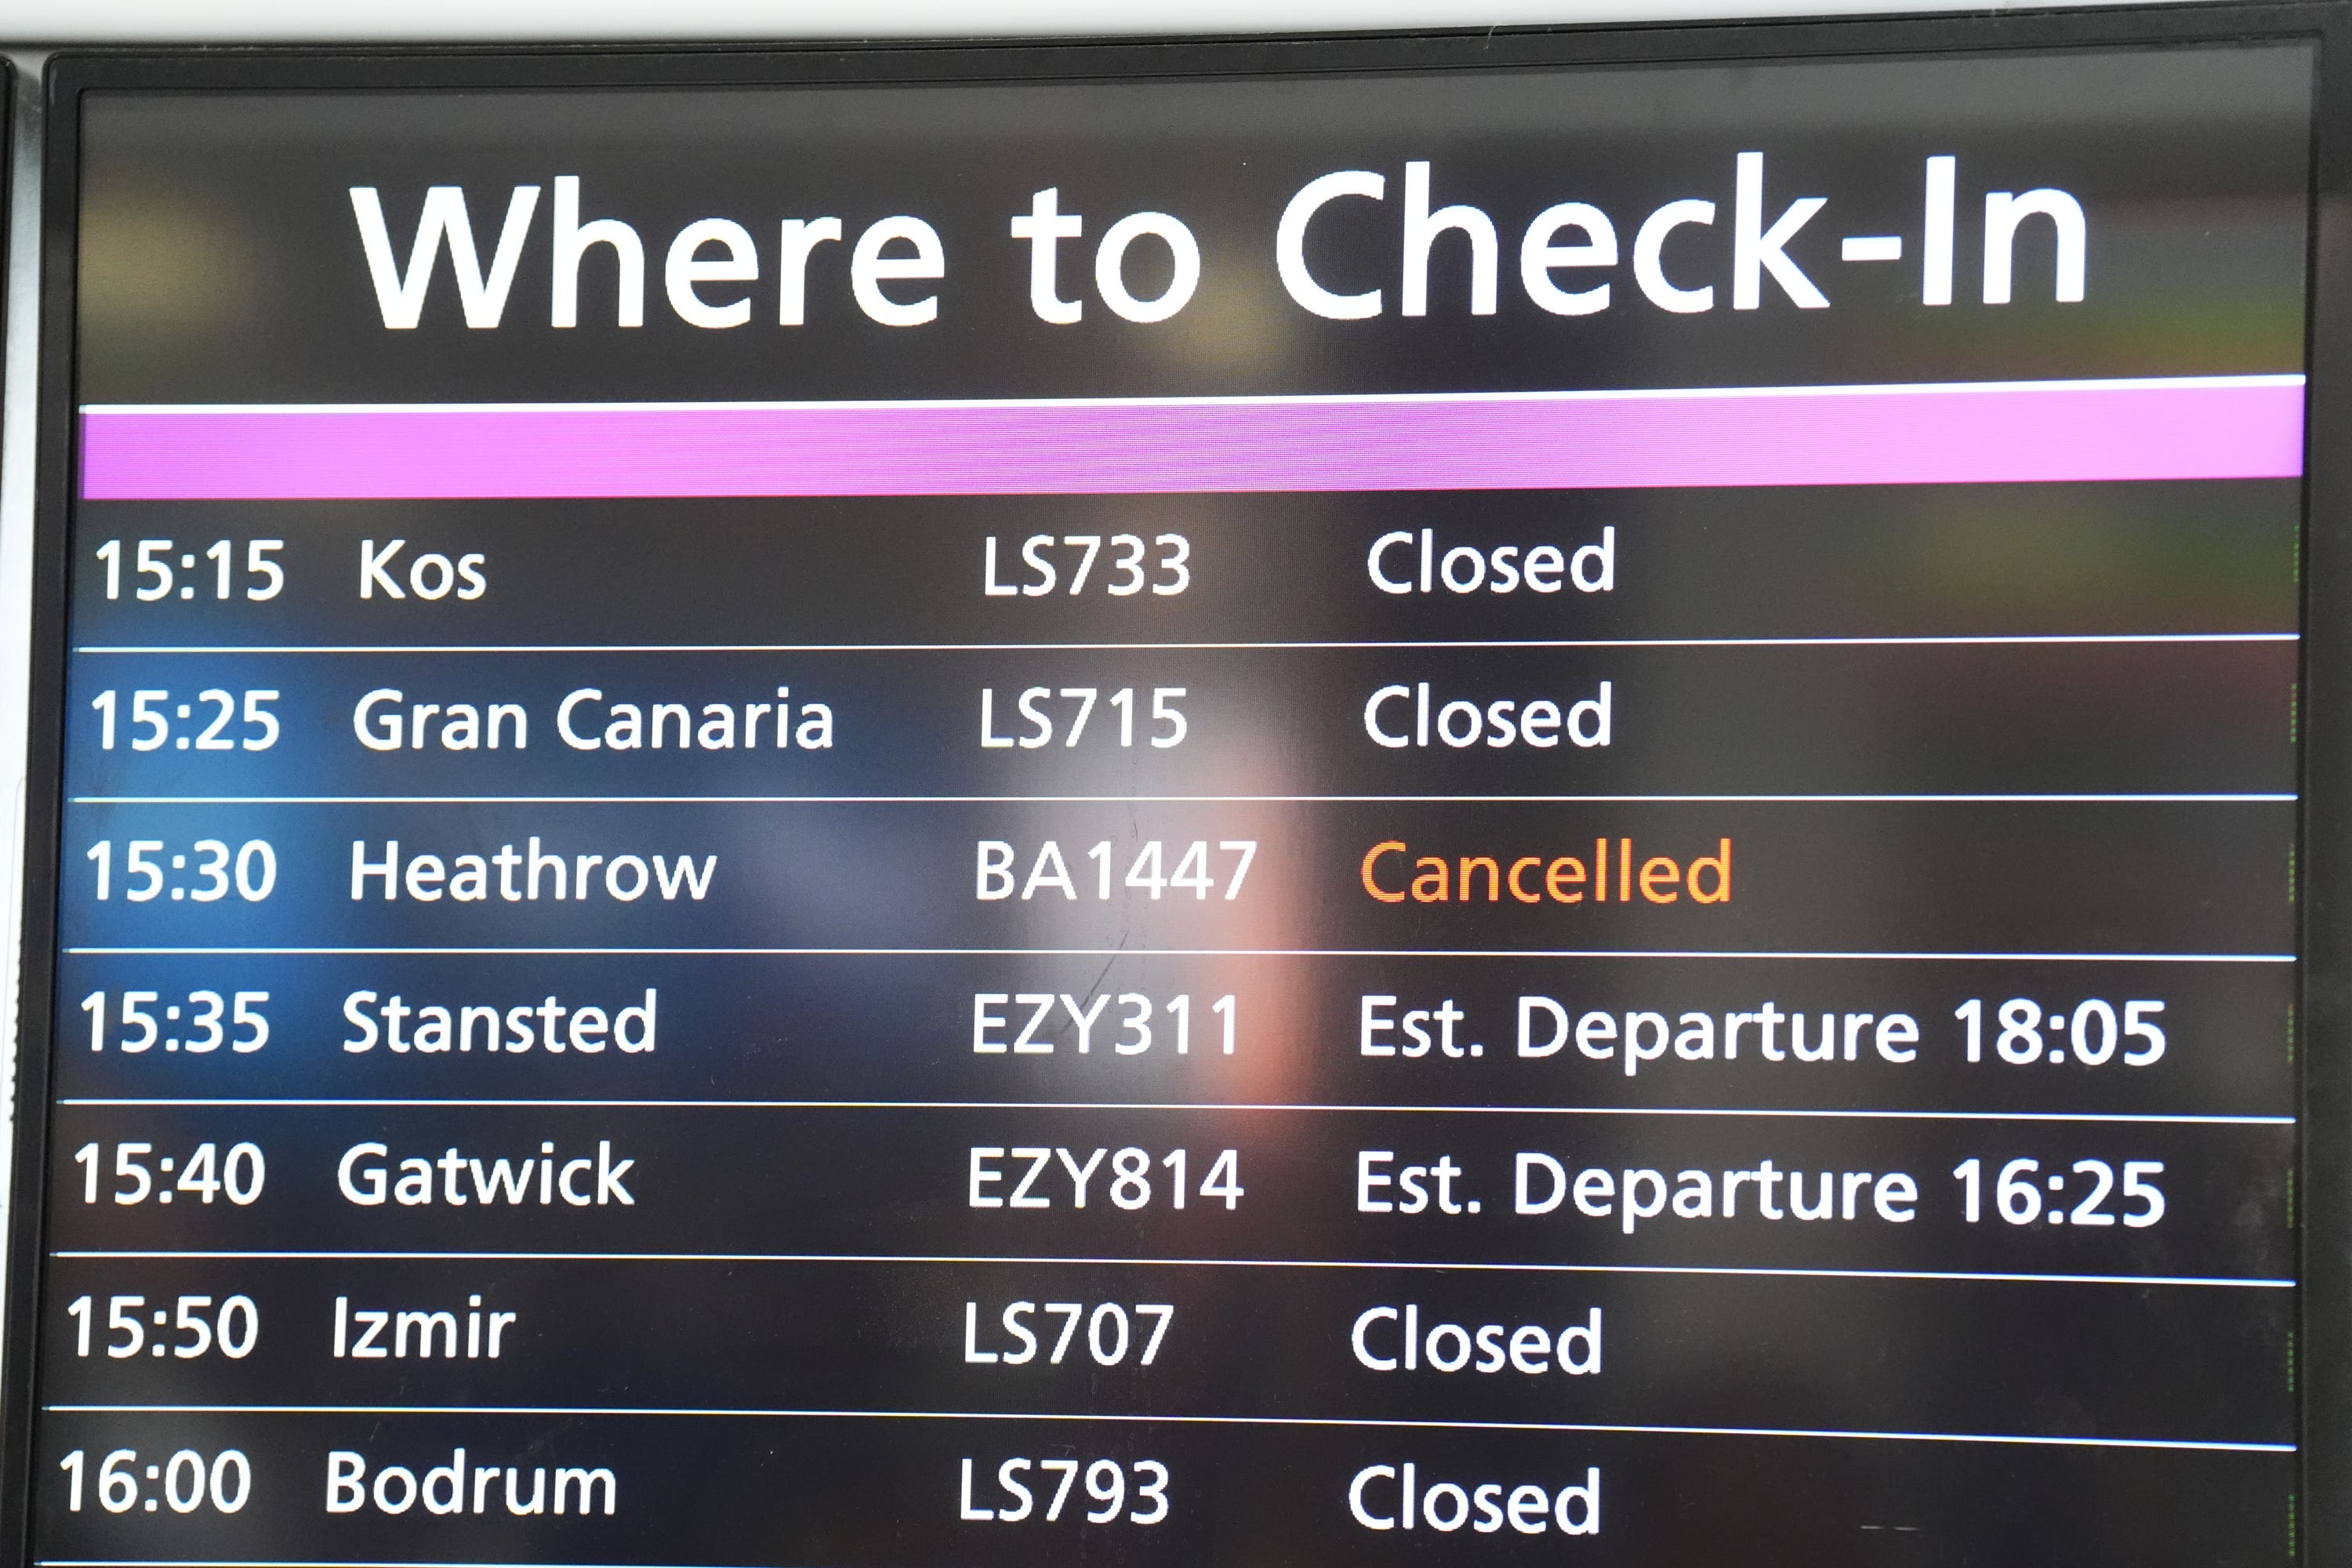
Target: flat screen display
x=903, y=814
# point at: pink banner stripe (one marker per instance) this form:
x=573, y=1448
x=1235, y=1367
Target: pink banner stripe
x=2249, y=428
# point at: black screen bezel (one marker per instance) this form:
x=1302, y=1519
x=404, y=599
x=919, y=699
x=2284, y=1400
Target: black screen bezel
x=2321, y=1528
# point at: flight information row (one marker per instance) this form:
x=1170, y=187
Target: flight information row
x=2204, y=1196
x=1900, y=561
x=2063, y=715
x=2141, y=1037
x=372, y=1483
x=1368, y=1341
x=2140, y=878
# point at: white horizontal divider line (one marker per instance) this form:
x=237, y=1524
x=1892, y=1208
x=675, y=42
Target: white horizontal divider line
x=2242, y=1282
x=316, y=1562
x=1302, y=645
x=1190, y=952
x=320, y=1562
x=2067, y=1116
x=1130, y=1418
x=2187, y=799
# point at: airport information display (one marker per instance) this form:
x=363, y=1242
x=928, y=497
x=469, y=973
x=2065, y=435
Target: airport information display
x=1533, y=813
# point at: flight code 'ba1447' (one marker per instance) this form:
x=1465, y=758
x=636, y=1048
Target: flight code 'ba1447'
x=1158, y=868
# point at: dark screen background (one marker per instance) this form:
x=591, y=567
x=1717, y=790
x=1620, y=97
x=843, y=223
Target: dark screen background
x=219, y=262
x=768, y=1346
